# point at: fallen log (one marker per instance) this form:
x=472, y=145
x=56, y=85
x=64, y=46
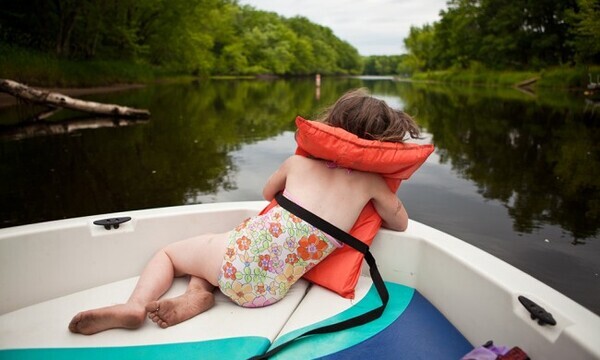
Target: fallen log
x=54, y=99
x=527, y=83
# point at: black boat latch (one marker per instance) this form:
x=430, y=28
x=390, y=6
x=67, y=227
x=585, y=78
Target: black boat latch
x=112, y=222
x=537, y=312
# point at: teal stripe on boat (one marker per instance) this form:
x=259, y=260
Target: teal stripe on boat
x=316, y=346
x=230, y=348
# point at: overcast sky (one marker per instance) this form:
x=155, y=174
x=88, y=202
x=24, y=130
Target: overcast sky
x=374, y=27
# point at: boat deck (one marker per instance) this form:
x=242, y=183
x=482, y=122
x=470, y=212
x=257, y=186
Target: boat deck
x=51, y=271
x=410, y=328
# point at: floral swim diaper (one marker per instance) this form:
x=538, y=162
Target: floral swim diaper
x=267, y=254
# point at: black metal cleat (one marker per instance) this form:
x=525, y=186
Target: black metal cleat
x=112, y=222
x=537, y=312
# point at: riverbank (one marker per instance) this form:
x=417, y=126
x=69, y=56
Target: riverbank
x=44, y=70
x=47, y=71
x=558, y=78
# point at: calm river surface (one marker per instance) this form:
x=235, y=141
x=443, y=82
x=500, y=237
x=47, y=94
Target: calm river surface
x=514, y=174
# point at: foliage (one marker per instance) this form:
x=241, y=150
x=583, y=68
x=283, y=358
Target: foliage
x=556, y=77
x=200, y=37
x=476, y=75
x=43, y=69
x=420, y=43
x=384, y=65
x=500, y=35
x=586, y=30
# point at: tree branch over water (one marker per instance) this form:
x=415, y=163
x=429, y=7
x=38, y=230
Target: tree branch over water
x=53, y=99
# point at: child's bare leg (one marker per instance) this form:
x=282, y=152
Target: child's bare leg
x=203, y=261
x=197, y=299
x=154, y=281
x=200, y=257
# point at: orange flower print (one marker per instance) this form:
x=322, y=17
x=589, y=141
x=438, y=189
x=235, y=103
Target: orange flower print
x=311, y=248
x=260, y=289
x=240, y=293
x=295, y=218
x=229, y=271
x=275, y=229
x=264, y=262
x=243, y=243
x=291, y=259
x=290, y=274
x=230, y=254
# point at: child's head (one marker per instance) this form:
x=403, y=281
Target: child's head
x=359, y=113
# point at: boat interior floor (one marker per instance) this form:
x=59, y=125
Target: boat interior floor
x=411, y=328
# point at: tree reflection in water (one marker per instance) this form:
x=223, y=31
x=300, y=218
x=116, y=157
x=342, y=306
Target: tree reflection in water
x=541, y=161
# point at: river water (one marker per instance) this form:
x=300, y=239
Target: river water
x=515, y=174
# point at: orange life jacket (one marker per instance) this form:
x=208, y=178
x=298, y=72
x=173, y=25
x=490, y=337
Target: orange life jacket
x=395, y=162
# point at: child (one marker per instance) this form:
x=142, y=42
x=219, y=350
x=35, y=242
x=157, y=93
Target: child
x=335, y=194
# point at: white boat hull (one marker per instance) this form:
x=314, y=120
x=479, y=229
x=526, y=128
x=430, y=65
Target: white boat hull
x=63, y=265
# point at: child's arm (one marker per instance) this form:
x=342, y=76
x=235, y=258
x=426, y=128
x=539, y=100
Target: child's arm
x=276, y=182
x=390, y=208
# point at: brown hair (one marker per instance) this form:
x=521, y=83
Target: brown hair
x=369, y=118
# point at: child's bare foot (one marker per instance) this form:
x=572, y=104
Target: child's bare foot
x=170, y=312
x=128, y=316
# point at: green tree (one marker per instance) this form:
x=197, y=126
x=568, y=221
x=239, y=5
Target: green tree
x=329, y=54
x=420, y=46
x=189, y=36
x=382, y=64
x=520, y=34
x=585, y=28
x=459, y=35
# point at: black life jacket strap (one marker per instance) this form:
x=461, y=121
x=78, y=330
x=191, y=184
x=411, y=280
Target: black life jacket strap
x=347, y=239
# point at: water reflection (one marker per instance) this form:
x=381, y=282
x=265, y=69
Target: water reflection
x=541, y=162
x=183, y=151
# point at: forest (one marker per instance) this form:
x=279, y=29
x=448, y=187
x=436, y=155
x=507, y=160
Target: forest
x=222, y=37
x=200, y=37
x=501, y=35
